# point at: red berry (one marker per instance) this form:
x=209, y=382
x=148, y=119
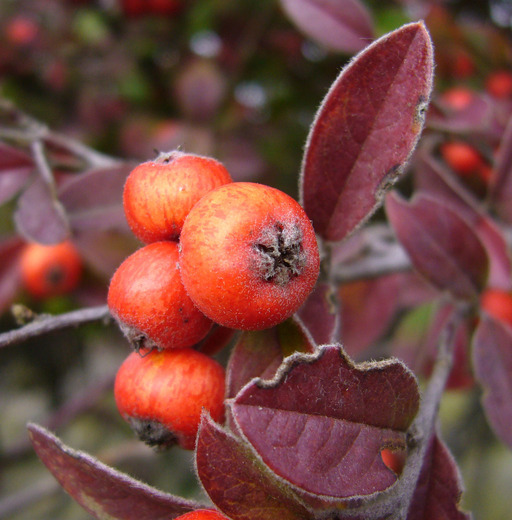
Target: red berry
x=462, y=158
x=499, y=84
x=50, y=270
x=249, y=256
x=148, y=299
x=202, y=514
x=21, y=30
x=498, y=304
x=158, y=195
x=457, y=98
x=162, y=394
x=394, y=460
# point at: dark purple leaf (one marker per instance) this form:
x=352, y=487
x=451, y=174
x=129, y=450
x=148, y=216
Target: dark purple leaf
x=10, y=250
x=101, y=490
x=94, y=199
x=40, y=217
x=322, y=422
x=365, y=131
x=414, y=290
x=439, y=488
x=501, y=188
x=339, y=25
x=236, y=482
x=440, y=243
x=260, y=353
x=363, y=303
x=104, y=250
x=433, y=179
x=320, y=314
x=492, y=362
x=15, y=169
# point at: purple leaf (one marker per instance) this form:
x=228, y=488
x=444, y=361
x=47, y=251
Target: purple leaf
x=94, y=199
x=492, y=362
x=339, y=25
x=365, y=131
x=236, y=482
x=260, y=353
x=104, y=250
x=40, y=217
x=101, y=490
x=440, y=243
x=367, y=302
x=322, y=422
x=433, y=179
x=320, y=314
x=501, y=188
x=438, y=490
x=475, y=118
x=15, y=169
x=10, y=250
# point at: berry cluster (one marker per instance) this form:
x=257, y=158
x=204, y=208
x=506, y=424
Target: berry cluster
x=238, y=254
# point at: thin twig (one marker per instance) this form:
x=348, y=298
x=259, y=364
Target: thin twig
x=46, y=324
x=424, y=425
x=31, y=130
x=378, y=254
x=43, y=167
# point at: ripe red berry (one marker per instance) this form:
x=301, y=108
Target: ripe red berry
x=148, y=299
x=499, y=84
x=50, y=270
x=249, y=256
x=498, y=304
x=202, y=514
x=462, y=158
x=162, y=394
x=158, y=195
x=457, y=98
x=394, y=460
x=21, y=30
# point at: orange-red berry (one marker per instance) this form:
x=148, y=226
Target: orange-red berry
x=499, y=84
x=249, y=256
x=163, y=393
x=462, y=158
x=457, y=98
x=50, y=270
x=498, y=304
x=158, y=195
x=202, y=514
x=394, y=460
x=148, y=299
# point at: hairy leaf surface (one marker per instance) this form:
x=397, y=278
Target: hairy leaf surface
x=236, y=482
x=260, y=353
x=365, y=131
x=101, y=490
x=322, y=422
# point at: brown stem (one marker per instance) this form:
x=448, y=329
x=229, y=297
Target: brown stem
x=45, y=324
